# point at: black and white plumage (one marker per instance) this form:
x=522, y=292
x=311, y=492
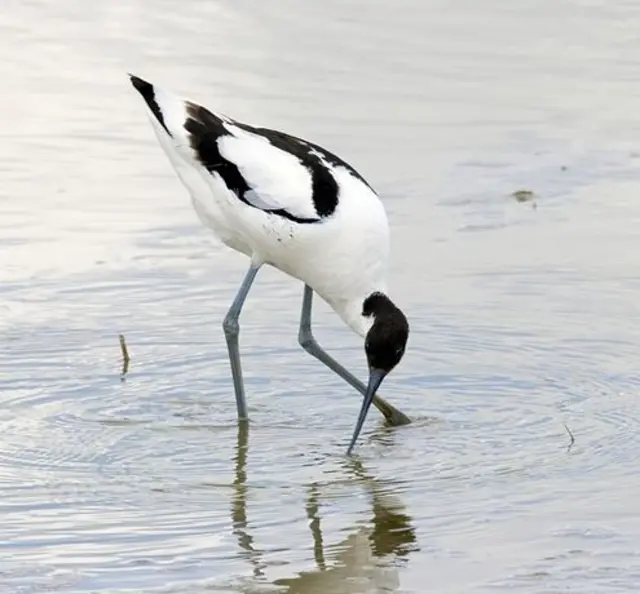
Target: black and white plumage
x=287, y=202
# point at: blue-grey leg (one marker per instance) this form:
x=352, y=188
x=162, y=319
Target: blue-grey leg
x=309, y=344
x=231, y=331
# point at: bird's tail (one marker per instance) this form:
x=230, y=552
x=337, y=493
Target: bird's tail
x=167, y=111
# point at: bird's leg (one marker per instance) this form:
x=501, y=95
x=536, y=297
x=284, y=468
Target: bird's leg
x=309, y=344
x=231, y=332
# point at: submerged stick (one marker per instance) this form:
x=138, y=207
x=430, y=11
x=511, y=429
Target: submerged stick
x=571, y=437
x=125, y=356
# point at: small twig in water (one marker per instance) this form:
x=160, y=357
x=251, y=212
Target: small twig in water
x=125, y=356
x=571, y=437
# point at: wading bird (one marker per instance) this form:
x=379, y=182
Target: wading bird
x=287, y=202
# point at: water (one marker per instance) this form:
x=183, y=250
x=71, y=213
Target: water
x=522, y=318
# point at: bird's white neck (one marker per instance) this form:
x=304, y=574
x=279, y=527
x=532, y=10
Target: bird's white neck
x=351, y=312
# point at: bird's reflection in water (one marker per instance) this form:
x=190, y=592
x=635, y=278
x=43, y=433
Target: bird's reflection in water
x=314, y=524
x=392, y=532
x=365, y=561
x=239, y=502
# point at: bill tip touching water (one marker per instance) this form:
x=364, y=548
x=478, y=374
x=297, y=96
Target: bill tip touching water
x=290, y=203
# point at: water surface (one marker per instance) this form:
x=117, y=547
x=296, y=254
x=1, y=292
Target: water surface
x=522, y=318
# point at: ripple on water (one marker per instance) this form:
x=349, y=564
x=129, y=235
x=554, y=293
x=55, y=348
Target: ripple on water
x=126, y=476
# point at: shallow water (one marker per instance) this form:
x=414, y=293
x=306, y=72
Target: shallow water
x=523, y=315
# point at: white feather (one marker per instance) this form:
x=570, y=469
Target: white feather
x=279, y=180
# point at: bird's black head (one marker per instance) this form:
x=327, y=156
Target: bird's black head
x=384, y=346
x=387, y=337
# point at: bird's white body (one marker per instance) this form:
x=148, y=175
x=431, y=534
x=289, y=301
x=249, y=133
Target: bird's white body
x=343, y=256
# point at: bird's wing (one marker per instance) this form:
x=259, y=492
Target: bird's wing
x=265, y=169
x=260, y=173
